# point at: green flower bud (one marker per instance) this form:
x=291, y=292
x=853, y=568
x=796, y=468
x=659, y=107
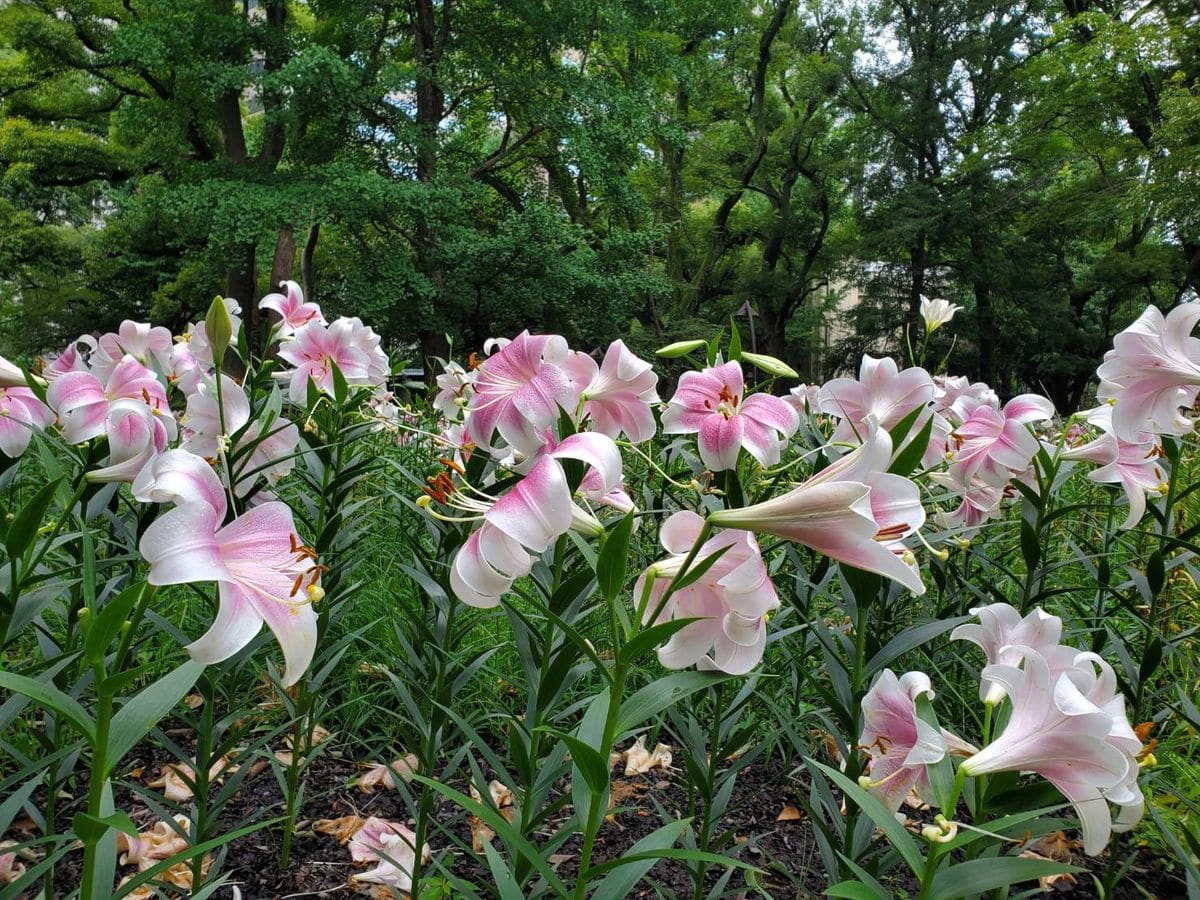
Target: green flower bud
x=679, y=348
x=218, y=326
x=770, y=364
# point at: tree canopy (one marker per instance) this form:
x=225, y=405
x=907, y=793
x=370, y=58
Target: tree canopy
x=461, y=168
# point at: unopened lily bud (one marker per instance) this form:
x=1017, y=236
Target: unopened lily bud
x=770, y=365
x=679, y=348
x=218, y=327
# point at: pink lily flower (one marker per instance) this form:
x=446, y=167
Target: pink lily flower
x=1002, y=633
x=264, y=573
x=732, y=599
x=530, y=517
x=852, y=511
x=135, y=436
x=519, y=391
x=805, y=399
x=1152, y=372
x=997, y=445
x=617, y=394
x=184, y=369
x=293, y=312
x=21, y=414
x=364, y=337
x=899, y=743
x=1070, y=728
x=69, y=360
x=956, y=397
x=315, y=349
x=710, y=403
x=146, y=343
x=881, y=392
x=979, y=501
x=1135, y=465
x=81, y=400
x=273, y=453
x=176, y=476
x=454, y=390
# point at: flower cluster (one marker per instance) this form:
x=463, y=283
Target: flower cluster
x=1066, y=722
x=161, y=415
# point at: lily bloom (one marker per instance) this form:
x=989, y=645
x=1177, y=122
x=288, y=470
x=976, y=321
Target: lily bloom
x=1002, y=633
x=519, y=391
x=956, y=397
x=998, y=445
x=899, y=743
x=454, y=390
x=21, y=414
x=937, y=313
x=1135, y=465
x=852, y=511
x=710, y=403
x=293, y=312
x=146, y=343
x=732, y=599
x=1070, y=728
x=81, y=400
x=1152, y=372
x=177, y=476
x=979, y=501
x=617, y=394
x=135, y=436
x=263, y=571
x=881, y=392
x=271, y=453
x=314, y=350
x=530, y=517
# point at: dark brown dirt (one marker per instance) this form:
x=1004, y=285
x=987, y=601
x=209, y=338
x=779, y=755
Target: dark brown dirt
x=320, y=866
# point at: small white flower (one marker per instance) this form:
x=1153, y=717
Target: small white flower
x=936, y=313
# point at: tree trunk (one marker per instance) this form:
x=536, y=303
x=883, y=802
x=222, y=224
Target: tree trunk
x=306, y=262
x=429, y=37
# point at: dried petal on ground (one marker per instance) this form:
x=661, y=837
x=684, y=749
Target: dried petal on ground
x=382, y=775
x=193, y=701
x=1063, y=881
x=1056, y=846
x=174, y=778
x=318, y=735
x=341, y=829
x=10, y=868
x=503, y=799
x=178, y=875
x=152, y=846
x=788, y=814
x=391, y=845
x=620, y=791
x=639, y=760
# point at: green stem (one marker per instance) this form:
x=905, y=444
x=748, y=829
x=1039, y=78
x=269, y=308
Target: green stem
x=598, y=805
x=88, y=888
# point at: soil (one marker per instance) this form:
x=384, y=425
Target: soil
x=785, y=850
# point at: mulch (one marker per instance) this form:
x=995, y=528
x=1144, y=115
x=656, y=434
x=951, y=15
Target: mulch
x=785, y=851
